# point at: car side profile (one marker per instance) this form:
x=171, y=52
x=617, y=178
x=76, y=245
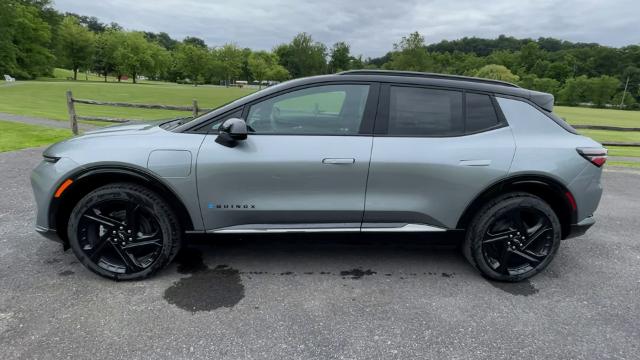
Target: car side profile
x=358, y=151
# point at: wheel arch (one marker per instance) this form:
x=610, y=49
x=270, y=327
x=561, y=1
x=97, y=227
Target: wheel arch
x=89, y=179
x=547, y=188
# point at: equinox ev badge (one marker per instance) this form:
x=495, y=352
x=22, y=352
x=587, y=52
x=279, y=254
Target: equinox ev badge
x=229, y=206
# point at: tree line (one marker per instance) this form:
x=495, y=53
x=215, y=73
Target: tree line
x=35, y=38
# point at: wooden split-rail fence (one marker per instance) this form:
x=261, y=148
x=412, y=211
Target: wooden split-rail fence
x=74, y=117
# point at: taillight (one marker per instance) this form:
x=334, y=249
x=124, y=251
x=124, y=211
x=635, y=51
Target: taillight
x=596, y=156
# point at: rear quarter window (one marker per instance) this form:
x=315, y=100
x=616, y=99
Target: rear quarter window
x=481, y=114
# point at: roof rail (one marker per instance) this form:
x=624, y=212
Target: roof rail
x=427, y=75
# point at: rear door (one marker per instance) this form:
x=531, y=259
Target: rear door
x=303, y=166
x=434, y=150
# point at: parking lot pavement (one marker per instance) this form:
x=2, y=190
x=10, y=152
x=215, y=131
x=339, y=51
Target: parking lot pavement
x=320, y=297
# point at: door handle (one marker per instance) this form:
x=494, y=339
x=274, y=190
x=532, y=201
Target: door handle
x=475, y=162
x=338, y=161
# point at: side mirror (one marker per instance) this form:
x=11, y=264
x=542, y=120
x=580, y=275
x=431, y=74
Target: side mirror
x=231, y=131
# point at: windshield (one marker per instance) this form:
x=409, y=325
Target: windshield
x=186, y=122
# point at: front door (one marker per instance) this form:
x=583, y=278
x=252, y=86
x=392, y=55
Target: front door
x=303, y=166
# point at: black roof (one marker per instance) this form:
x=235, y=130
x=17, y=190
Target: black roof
x=543, y=100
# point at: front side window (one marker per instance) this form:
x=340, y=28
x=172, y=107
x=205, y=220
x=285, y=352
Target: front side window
x=321, y=110
x=425, y=112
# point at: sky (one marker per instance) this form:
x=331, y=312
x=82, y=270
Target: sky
x=371, y=27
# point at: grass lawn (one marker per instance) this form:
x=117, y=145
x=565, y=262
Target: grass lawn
x=624, y=151
x=592, y=116
x=608, y=135
x=47, y=98
x=14, y=135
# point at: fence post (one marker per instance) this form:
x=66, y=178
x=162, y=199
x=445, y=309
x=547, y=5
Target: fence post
x=195, y=108
x=72, y=113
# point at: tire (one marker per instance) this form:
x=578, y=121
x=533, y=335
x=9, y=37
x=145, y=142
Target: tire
x=124, y=231
x=494, y=242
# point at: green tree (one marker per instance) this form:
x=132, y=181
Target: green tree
x=105, y=59
x=245, y=71
x=134, y=56
x=260, y=63
x=559, y=70
x=574, y=90
x=410, y=54
x=162, y=61
x=77, y=45
x=629, y=101
x=303, y=56
x=601, y=90
x=8, y=50
x=25, y=40
x=497, y=72
x=529, y=55
x=551, y=86
x=192, y=61
x=228, y=60
x=191, y=40
x=278, y=73
x=340, y=58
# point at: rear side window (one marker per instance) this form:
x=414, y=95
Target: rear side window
x=425, y=112
x=481, y=114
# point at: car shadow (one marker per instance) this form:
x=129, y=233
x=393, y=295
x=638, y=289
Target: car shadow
x=323, y=253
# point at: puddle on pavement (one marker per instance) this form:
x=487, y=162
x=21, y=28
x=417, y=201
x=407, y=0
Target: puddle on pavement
x=356, y=273
x=206, y=289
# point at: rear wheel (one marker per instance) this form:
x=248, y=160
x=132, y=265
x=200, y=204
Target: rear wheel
x=124, y=232
x=513, y=237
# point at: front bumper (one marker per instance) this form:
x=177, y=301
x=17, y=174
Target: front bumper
x=45, y=178
x=581, y=227
x=50, y=234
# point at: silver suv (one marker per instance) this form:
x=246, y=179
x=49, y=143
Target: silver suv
x=359, y=151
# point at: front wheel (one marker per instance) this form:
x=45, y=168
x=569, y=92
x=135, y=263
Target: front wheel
x=513, y=237
x=124, y=232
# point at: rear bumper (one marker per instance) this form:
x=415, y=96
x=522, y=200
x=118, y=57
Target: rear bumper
x=581, y=227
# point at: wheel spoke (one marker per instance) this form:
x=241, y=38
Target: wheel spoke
x=528, y=256
x=131, y=215
x=97, y=249
x=535, y=236
x=503, y=236
x=517, y=222
x=504, y=259
x=103, y=220
x=130, y=262
x=155, y=242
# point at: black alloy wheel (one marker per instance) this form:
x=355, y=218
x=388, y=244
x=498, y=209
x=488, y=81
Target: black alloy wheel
x=518, y=241
x=123, y=231
x=513, y=237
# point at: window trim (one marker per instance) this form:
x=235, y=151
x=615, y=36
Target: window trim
x=205, y=128
x=502, y=121
x=384, y=107
x=368, y=115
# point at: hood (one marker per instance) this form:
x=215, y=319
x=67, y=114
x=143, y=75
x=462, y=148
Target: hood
x=124, y=130
x=128, y=127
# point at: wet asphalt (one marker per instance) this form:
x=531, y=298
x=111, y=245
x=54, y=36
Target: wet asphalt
x=320, y=297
